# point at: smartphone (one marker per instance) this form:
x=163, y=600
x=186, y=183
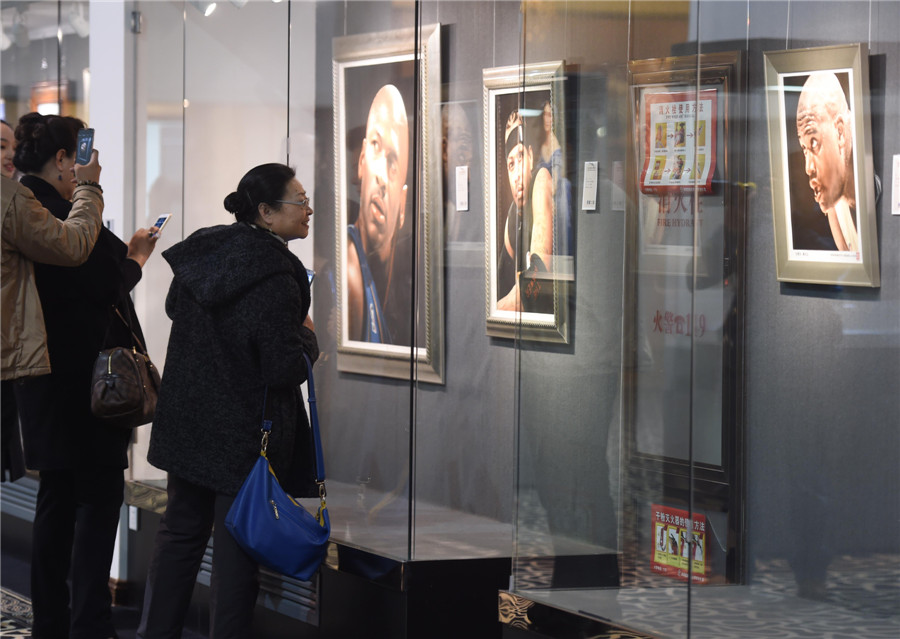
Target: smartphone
x=84, y=146
x=310, y=274
x=160, y=223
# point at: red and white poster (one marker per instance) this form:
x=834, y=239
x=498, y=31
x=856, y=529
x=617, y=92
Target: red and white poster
x=679, y=542
x=679, y=141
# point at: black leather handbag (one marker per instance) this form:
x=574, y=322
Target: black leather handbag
x=124, y=384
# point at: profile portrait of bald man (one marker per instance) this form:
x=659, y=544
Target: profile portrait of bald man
x=825, y=133
x=382, y=172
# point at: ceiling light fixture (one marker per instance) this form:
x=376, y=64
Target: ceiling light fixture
x=79, y=23
x=206, y=8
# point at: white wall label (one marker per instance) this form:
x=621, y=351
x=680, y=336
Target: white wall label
x=895, y=187
x=462, y=188
x=589, y=188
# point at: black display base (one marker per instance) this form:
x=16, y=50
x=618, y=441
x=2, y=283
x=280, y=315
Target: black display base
x=524, y=618
x=366, y=595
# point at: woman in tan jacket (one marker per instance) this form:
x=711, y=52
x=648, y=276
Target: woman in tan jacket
x=31, y=234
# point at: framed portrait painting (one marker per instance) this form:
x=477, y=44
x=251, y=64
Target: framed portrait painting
x=528, y=203
x=820, y=146
x=388, y=227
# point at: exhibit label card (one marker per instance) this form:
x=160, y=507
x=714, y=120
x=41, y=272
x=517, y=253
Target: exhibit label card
x=895, y=191
x=462, y=188
x=589, y=190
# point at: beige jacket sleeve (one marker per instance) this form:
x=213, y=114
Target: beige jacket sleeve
x=41, y=237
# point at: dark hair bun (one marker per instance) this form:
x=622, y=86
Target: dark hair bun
x=232, y=202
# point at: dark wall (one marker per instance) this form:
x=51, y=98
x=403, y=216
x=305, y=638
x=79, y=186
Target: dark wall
x=464, y=428
x=822, y=364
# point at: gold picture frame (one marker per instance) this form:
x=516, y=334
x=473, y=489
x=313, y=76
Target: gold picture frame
x=820, y=150
x=364, y=65
x=535, y=92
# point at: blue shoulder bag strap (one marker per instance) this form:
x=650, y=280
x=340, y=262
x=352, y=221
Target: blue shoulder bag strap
x=314, y=424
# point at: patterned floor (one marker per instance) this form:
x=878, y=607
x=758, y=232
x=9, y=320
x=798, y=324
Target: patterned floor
x=861, y=598
x=15, y=615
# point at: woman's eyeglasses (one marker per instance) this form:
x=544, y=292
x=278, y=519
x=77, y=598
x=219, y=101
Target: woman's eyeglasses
x=304, y=202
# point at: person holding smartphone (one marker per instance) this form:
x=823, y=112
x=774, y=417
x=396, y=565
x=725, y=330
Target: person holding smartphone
x=12, y=463
x=80, y=458
x=239, y=303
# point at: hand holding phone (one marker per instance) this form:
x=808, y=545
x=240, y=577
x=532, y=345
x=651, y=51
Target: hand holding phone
x=160, y=222
x=84, y=146
x=89, y=172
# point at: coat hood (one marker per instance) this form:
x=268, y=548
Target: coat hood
x=219, y=263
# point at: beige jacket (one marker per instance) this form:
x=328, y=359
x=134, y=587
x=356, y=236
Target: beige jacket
x=30, y=233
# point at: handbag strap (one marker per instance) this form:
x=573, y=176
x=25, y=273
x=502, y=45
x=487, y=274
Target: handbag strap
x=266, y=426
x=136, y=341
x=314, y=424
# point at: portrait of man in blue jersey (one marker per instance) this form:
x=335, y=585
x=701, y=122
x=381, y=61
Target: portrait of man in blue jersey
x=372, y=238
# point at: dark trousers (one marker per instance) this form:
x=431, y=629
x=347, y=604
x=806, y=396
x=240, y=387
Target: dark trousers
x=12, y=462
x=75, y=524
x=191, y=513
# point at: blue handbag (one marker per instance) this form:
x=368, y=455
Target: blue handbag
x=268, y=524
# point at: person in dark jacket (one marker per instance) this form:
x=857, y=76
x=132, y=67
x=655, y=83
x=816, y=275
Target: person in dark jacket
x=80, y=458
x=239, y=304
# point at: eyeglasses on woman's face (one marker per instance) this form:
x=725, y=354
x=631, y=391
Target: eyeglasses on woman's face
x=303, y=202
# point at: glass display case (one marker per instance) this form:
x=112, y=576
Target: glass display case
x=692, y=470
x=579, y=380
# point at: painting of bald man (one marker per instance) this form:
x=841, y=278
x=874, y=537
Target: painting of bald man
x=383, y=260
x=822, y=176
x=823, y=186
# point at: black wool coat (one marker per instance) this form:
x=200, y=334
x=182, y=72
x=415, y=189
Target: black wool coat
x=58, y=429
x=237, y=303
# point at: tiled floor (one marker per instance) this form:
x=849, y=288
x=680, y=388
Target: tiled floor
x=15, y=605
x=861, y=598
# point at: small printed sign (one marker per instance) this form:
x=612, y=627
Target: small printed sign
x=679, y=141
x=895, y=190
x=589, y=190
x=462, y=188
x=679, y=544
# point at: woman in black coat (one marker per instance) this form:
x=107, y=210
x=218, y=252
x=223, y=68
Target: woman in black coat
x=81, y=459
x=239, y=303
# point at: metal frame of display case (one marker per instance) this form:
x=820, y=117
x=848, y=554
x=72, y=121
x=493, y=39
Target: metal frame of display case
x=684, y=483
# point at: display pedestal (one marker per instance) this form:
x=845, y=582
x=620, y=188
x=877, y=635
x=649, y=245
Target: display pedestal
x=524, y=618
x=363, y=594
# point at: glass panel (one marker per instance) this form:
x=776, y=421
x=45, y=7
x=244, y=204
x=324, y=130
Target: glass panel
x=75, y=74
x=727, y=456
x=45, y=60
x=369, y=425
x=568, y=393
x=822, y=472
x=463, y=427
x=159, y=178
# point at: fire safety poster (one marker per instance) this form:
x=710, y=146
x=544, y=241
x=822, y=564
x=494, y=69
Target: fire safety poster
x=677, y=540
x=679, y=141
